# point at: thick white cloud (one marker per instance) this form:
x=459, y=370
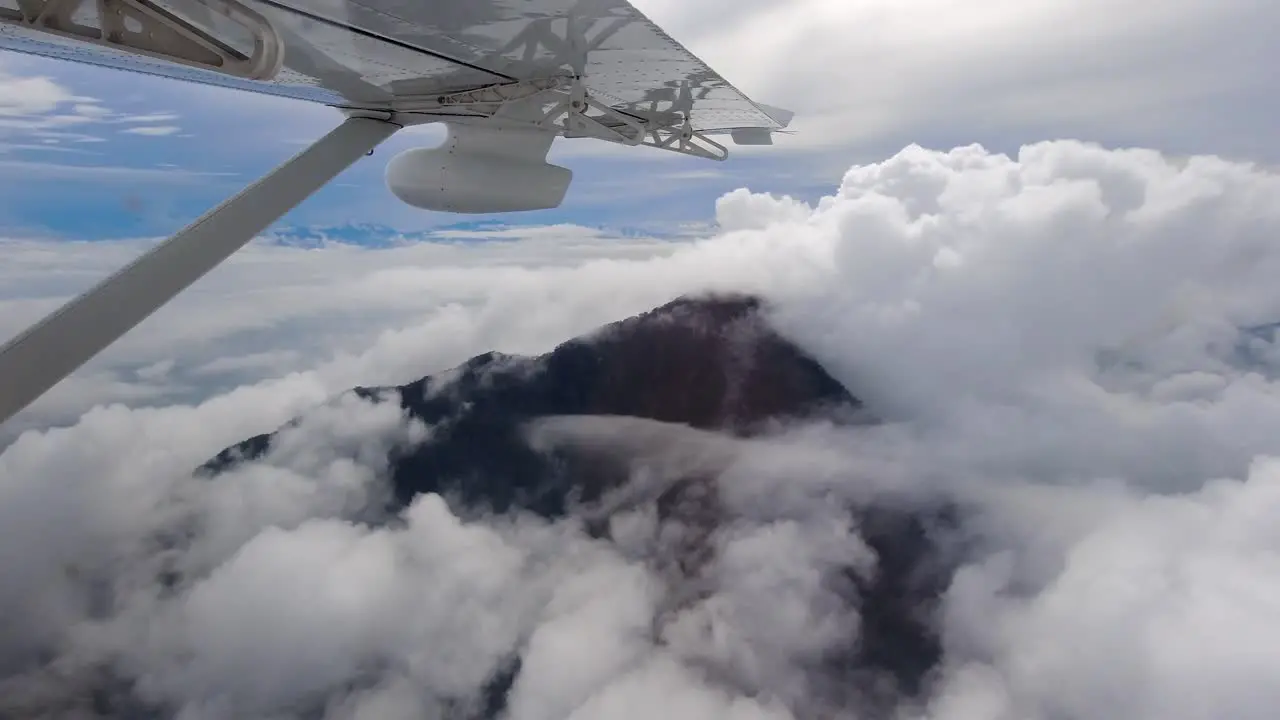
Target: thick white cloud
x=24, y=96
x=879, y=73
x=1153, y=606
x=1070, y=344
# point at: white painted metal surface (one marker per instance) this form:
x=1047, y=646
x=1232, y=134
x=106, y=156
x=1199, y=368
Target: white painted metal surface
x=382, y=54
x=481, y=169
x=148, y=29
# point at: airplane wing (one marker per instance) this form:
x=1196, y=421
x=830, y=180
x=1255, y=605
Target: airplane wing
x=401, y=54
x=506, y=78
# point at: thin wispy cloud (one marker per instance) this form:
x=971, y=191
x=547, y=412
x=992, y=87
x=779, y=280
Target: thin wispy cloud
x=146, y=118
x=91, y=110
x=152, y=130
x=63, y=136
x=38, y=113
x=90, y=173
x=49, y=145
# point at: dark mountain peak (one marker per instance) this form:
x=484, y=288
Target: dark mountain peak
x=709, y=362
x=651, y=410
x=710, y=311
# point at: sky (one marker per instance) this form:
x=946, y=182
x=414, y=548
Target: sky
x=1037, y=239
x=141, y=156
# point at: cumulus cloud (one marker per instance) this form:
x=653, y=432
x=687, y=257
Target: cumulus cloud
x=1074, y=347
x=23, y=96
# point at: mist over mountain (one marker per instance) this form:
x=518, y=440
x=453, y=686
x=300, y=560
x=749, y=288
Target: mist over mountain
x=708, y=363
x=1014, y=457
x=641, y=416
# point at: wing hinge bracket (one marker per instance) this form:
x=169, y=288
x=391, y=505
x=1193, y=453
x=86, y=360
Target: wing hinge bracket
x=578, y=114
x=146, y=28
x=685, y=140
x=561, y=104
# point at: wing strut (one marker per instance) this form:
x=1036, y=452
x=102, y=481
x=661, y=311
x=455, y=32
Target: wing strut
x=53, y=348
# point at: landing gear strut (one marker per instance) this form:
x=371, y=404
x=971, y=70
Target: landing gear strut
x=53, y=348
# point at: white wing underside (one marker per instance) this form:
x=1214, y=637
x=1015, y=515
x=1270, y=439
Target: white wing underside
x=404, y=55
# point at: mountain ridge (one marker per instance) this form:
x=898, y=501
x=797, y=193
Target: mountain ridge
x=711, y=363
x=710, y=366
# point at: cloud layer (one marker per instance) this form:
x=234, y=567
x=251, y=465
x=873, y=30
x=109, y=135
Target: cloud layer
x=1074, y=346
x=1186, y=75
